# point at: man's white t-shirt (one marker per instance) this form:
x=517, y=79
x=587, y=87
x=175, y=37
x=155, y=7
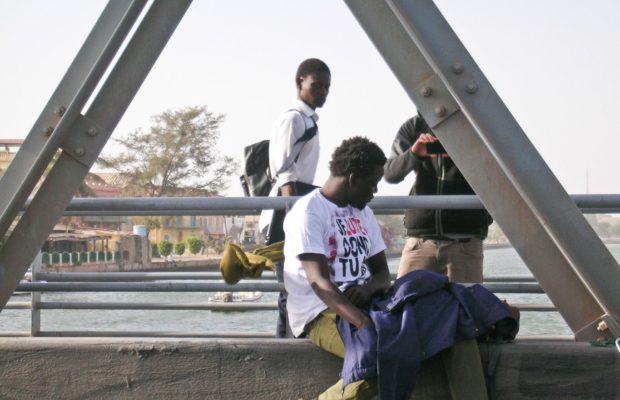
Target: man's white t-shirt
x=346, y=236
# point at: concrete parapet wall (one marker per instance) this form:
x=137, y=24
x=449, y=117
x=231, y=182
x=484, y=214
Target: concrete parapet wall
x=234, y=369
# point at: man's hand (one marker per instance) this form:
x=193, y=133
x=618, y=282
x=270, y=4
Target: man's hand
x=419, y=147
x=317, y=273
x=358, y=295
x=363, y=321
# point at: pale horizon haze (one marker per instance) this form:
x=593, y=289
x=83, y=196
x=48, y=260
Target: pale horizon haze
x=553, y=63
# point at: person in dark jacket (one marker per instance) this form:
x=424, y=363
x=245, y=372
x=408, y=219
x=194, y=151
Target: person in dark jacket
x=443, y=241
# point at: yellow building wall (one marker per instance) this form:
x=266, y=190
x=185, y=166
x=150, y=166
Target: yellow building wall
x=174, y=235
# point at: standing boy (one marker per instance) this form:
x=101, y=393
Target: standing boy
x=294, y=152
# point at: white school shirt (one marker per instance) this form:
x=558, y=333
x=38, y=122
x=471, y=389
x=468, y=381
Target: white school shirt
x=288, y=128
x=346, y=236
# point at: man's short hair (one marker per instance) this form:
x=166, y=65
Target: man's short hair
x=356, y=155
x=311, y=66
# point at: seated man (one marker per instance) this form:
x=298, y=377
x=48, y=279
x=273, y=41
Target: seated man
x=335, y=262
x=334, y=258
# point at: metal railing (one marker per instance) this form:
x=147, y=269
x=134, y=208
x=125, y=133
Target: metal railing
x=137, y=206
x=183, y=282
x=48, y=282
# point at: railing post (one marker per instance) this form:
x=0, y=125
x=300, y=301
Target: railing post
x=35, y=311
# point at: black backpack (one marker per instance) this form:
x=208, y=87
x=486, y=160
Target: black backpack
x=257, y=179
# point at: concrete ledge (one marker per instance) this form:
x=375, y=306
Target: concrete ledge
x=107, y=368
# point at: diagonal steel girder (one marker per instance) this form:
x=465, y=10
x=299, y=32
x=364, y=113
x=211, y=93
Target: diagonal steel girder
x=573, y=266
x=65, y=104
x=85, y=140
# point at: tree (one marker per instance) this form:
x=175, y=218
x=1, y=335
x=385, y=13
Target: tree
x=176, y=156
x=194, y=244
x=165, y=248
x=179, y=248
x=155, y=250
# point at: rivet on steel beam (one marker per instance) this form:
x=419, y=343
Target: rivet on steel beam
x=60, y=111
x=471, y=88
x=48, y=131
x=92, y=131
x=426, y=91
x=79, y=151
x=440, y=111
x=457, y=68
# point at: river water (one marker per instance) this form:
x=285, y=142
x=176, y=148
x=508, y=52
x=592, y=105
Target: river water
x=504, y=262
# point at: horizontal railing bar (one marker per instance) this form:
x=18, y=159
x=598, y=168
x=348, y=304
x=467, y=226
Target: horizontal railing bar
x=214, y=335
x=550, y=337
x=18, y=305
x=513, y=287
x=15, y=334
x=127, y=206
x=248, y=286
x=184, y=334
x=156, y=276
x=509, y=278
x=133, y=276
x=243, y=306
x=149, y=287
x=147, y=213
x=537, y=307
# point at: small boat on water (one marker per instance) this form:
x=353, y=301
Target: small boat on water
x=234, y=297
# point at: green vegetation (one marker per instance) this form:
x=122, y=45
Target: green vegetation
x=155, y=250
x=179, y=248
x=194, y=244
x=165, y=248
x=176, y=156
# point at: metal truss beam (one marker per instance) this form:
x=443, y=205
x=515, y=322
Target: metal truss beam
x=512, y=180
x=85, y=138
x=67, y=101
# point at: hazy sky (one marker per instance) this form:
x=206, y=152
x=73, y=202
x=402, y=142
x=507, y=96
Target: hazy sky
x=554, y=63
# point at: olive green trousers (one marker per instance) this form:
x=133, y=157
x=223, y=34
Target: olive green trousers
x=461, y=362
